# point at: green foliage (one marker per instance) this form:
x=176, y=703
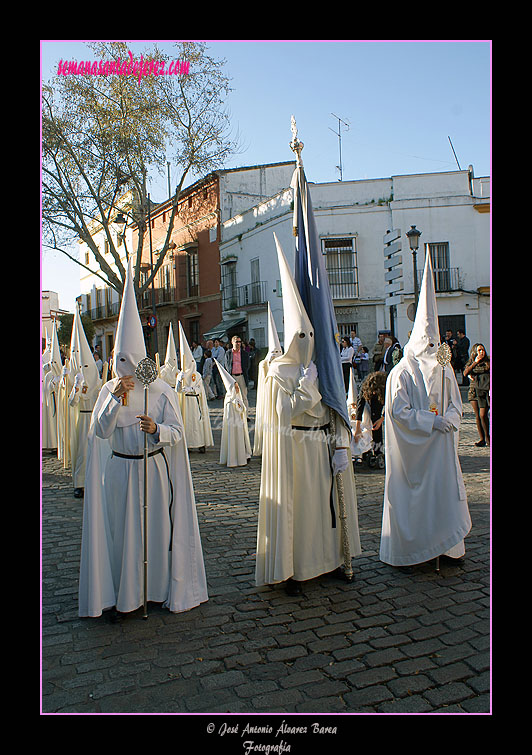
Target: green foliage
x=102, y=135
x=64, y=331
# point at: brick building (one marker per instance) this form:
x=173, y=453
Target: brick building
x=187, y=287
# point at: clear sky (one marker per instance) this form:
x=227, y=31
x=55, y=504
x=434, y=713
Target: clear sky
x=401, y=101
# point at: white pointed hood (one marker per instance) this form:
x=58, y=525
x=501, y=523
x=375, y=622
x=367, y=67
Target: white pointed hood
x=129, y=349
x=298, y=329
x=47, y=349
x=129, y=344
x=188, y=363
x=420, y=351
x=170, y=366
x=231, y=386
x=54, y=361
x=274, y=346
x=81, y=356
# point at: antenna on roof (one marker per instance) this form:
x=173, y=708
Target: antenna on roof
x=454, y=153
x=339, y=135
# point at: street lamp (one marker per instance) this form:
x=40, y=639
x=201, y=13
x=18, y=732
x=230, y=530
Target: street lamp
x=413, y=239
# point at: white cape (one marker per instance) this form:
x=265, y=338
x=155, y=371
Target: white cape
x=111, y=571
x=425, y=509
x=262, y=371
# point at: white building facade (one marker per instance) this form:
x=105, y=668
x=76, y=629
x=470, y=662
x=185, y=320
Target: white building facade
x=452, y=211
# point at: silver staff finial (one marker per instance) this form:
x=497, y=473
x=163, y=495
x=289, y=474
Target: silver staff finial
x=444, y=354
x=296, y=145
x=146, y=371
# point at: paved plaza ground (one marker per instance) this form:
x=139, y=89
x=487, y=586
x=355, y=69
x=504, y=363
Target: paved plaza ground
x=388, y=642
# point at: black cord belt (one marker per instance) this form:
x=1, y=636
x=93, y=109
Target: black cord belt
x=302, y=427
x=153, y=453
x=134, y=456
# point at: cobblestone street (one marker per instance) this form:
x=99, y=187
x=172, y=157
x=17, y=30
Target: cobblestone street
x=389, y=642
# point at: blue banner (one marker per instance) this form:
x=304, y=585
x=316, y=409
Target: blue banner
x=313, y=284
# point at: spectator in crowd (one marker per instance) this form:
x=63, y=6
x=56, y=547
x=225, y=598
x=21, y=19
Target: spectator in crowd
x=363, y=367
x=372, y=394
x=346, y=356
x=378, y=349
x=207, y=374
x=462, y=353
x=478, y=369
x=99, y=363
x=392, y=354
x=218, y=354
x=253, y=364
x=237, y=365
x=197, y=353
x=356, y=343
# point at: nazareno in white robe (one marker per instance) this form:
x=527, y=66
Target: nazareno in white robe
x=49, y=411
x=111, y=571
x=81, y=405
x=235, y=446
x=194, y=410
x=296, y=537
x=425, y=510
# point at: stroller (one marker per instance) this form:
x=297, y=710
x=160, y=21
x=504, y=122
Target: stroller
x=367, y=450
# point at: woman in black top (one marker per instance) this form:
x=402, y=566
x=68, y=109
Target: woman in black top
x=372, y=391
x=478, y=370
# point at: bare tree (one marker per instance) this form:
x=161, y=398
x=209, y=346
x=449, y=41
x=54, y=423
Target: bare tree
x=102, y=135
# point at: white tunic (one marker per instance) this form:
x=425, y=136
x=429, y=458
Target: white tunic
x=425, y=510
x=111, y=571
x=195, y=411
x=235, y=446
x=49, y=411
x=81, y=405
x=262, y=371
x=296, y=537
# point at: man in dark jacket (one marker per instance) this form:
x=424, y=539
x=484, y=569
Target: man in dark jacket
x=462, y=353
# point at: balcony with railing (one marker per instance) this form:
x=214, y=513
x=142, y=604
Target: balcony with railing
x=104, y=311
x=445, y=280
x=166, y=295
x=249, y=295
x=343, y=282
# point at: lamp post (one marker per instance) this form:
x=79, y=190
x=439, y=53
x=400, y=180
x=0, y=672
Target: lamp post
x=413, y=239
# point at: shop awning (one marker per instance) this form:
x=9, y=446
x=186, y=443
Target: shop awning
x=222, y=328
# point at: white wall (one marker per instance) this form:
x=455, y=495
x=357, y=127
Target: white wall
x=439, y=204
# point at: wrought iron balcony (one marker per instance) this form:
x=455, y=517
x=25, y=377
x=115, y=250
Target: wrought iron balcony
x=251, y=294
x=445, y=280
x=343, y=282
x=103, y=311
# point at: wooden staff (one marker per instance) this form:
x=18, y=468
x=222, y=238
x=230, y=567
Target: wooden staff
x=443, y=356
x=339, y=480
x=66, y=424
x=146, y=373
